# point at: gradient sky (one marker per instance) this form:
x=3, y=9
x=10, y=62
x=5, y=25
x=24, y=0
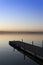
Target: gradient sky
x=21, y=15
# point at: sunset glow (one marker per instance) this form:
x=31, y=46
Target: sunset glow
x=21, y=15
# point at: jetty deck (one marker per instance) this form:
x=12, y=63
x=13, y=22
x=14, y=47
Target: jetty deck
x=32, y=49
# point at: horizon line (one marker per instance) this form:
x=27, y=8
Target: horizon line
x=21, y=32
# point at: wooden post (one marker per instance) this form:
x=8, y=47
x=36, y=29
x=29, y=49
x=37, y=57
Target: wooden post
x=32, y=42
x=32, y=47
x=22, y=40
x=42, y=43
x=24, y=56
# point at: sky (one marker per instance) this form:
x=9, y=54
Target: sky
x=21, y=15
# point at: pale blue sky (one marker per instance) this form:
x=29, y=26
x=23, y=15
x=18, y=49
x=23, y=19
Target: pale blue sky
x=21, y=14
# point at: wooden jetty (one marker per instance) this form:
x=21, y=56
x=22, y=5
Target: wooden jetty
x=31, y=49
x=37, y=60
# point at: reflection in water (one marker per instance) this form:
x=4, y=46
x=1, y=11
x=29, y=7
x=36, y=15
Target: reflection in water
x=8, y=57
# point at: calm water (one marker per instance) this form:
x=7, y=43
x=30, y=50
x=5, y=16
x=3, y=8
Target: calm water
x=10, y=56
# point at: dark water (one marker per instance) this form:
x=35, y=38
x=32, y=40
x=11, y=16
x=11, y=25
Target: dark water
x=11, y=56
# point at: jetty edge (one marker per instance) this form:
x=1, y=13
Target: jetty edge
x=32, y=49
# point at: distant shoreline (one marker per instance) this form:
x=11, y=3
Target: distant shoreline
x=10, y=32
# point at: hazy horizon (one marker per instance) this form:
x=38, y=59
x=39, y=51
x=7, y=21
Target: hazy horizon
x=21, y=32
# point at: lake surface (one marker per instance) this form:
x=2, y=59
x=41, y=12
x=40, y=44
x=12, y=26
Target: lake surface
x=10, y=56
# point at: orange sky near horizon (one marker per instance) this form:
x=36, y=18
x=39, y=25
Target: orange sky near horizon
x=19, y=28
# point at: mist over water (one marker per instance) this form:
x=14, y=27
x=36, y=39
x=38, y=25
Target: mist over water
x=9, y=56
